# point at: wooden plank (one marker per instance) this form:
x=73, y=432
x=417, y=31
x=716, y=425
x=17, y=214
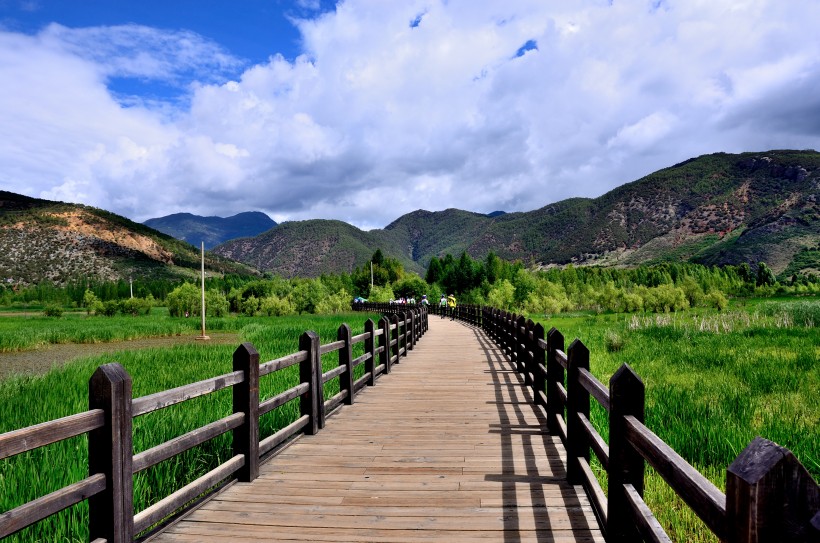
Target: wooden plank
x=35, y=510
x=447, y=448
x=167, y=398
x=39, y=435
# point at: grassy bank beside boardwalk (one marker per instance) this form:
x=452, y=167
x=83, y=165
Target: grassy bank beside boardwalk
x=29, y=400
x=714, y=381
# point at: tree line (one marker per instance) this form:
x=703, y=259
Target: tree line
x=489, y=281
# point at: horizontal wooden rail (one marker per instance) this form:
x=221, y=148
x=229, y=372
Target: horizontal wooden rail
x=331, y=374
x=648, y=525
x=594, y=387
x=704, y=498
x=593, y=488
x=167, y=398
x=282, y=363
x=270, y=443
x=46, y=433
x=597, y=443
x=173, y=447
x=283, y=397
x=561, y=358
x=36, y=510
x=361, y=359
x=331, y=347
x=359, y=338
x=154, y=514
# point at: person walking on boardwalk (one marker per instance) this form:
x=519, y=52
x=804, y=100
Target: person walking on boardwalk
x=442, y=306
x=451, y=306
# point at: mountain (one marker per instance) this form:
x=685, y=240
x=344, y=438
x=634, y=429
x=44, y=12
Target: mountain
x=309, y=248
x=714, y=209
x=41, y=240
x=212, y=230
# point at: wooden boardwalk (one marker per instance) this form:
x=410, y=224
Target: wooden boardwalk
x=446, y=448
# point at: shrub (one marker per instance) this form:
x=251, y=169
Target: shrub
x=137, y=306
x=613, y=341
x=184, y=299
x=53, y=310
x=273, y=306
x=216, y=304
x=110, y=308
x=250, y=306
x=336, y=303
x=717, y=300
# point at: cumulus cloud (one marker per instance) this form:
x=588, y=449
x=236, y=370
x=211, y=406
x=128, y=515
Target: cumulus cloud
x=428, y=104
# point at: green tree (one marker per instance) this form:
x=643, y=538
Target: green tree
x=184, y=299
x=410, y=286
x=434, y=271
x=765, y=276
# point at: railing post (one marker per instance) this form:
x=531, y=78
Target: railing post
x=529, y=353
x=520, y=346
x=370, y=348
x=555, y=376
x=770, y=497
x=504, y=333
x=539, y=382
x=394, y=350
x=412, y=341
x=246, y=400
x=577, y=403
x=110, y=452
x=626, y=465
x=346, y=359
x=310, y=401
x=384, y=343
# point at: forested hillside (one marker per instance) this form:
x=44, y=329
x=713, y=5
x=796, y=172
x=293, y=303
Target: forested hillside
x=714, y=209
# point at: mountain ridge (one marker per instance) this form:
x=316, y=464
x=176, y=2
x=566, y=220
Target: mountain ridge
x=719, y=208
x=212, y=230
x=714, y=209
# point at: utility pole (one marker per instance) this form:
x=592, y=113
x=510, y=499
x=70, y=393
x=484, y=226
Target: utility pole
x=371, y=275
x=203, y=336
x=131, y=285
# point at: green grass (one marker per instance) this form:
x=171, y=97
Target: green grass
x=19, y=333
x=713, y=382
x=29, y=400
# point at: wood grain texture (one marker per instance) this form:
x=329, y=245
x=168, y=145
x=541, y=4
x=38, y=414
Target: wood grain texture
x=446, y=448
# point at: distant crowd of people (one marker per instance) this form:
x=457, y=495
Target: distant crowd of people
x=447, y=304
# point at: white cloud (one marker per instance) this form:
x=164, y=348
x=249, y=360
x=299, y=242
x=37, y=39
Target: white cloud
x=398, y=107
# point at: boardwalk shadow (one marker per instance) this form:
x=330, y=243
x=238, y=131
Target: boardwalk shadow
x=515, y=412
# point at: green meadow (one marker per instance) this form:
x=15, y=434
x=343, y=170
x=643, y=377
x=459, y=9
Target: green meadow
x=714, y=381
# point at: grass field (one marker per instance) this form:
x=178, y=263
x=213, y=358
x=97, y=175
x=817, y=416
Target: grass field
x=714, y=381
x=29, y=400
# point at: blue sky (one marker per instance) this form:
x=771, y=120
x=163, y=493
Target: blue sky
x=312, y=109
x=250, y=30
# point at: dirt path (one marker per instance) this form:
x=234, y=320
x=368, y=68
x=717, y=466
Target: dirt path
x=42, y=359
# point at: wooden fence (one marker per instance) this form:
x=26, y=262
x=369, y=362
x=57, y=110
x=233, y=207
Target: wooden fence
x=770, y=496
x=112, y=463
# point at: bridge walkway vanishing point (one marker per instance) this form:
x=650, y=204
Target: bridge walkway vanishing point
x=448, y=448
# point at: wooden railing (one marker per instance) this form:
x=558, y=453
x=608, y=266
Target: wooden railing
x=770, y=496
x=109, y=421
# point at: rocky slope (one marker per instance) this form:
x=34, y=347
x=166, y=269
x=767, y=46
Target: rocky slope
x=42, y=240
